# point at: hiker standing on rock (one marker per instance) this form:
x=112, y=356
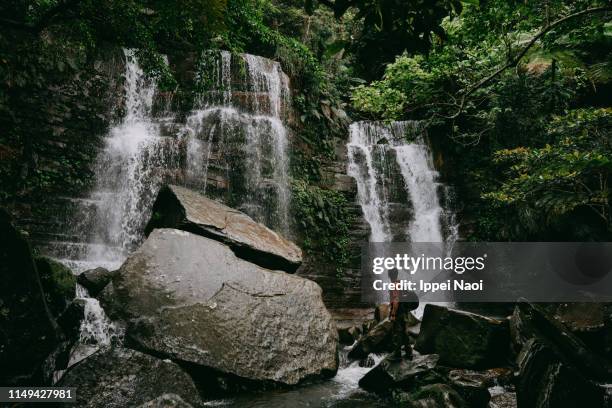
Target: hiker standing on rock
x=401, y=304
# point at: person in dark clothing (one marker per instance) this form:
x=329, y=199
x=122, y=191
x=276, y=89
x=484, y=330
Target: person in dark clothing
x=401, y=304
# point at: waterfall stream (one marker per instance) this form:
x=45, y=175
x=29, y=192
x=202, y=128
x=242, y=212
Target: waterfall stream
x=395, y=176
x=237, y=134
x=398, y=187
x=128, y=173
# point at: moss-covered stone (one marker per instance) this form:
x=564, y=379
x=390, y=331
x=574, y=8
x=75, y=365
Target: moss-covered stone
x=58, y=283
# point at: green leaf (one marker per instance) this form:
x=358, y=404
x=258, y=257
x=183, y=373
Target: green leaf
x=608, y=29
x=471, y=2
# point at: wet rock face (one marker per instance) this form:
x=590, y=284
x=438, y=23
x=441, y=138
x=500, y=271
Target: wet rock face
x=463, y=339
x=546, y=380
x=181, y=208
x=190, y=298
x=121, y=377
x=529, y=321
x=437, y=396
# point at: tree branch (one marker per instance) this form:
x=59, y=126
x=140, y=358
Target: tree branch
x=513, y=62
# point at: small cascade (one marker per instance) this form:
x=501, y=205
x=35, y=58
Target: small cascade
x=237, y=142
x=398, y=187
x=96, y=330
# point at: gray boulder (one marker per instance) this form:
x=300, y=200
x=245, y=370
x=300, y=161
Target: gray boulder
x=181, y=208
x=190, y=298
x=376, y=340
x=463, y=339
x=119, y=377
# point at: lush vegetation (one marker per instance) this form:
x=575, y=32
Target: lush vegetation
x=515, y=95
x=520, y=89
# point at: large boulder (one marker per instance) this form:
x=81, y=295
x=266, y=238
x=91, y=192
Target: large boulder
x=192, y=299
x=473, y=386
x=181, y=208
x=389, y=374
x=58, y=283
x=463, y=339
x=547, y=380
x=29, y=333
x=117, y=377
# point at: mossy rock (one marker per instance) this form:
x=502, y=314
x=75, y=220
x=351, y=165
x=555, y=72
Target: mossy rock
x=58, y=284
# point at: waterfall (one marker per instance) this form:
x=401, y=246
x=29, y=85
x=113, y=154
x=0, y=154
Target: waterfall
x=109, y=223
x=236, y=137
x=398, y=187
x=128, y=173
x=395, y=176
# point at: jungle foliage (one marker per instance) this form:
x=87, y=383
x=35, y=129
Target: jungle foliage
x=515, y=95
x=522, y=90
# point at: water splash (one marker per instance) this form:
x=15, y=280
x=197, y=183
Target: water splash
x=96, y=329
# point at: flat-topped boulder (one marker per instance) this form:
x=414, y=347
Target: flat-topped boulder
x=184, y=209
x=192, y=299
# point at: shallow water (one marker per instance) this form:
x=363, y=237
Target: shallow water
x=341, y=391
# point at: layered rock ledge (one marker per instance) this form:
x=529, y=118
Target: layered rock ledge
x=184, y=209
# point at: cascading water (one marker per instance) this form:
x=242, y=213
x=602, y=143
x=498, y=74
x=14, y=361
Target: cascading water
x=128, y=172
x=398, y=187
x=381, y=154
x=110, y=222
x=237, y=133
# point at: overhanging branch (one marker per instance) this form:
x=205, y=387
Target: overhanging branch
x=521, y=54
